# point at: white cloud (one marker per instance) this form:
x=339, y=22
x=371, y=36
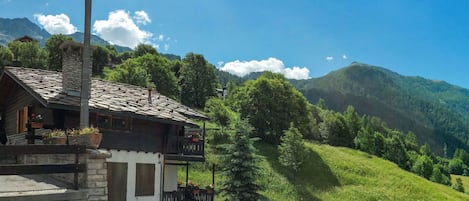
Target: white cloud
x=344, y=56
x=242, y=68
x=120, y=29
x=161, y=37
x=166, y=47
x=220, y=63
x=329, y=58
x=56, y=24
x=142, y=17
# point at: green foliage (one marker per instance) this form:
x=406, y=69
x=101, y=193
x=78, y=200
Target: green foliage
x=458, y=185
x=101, y=57
x=352, y=120
x=218, y=112
x=463, y=155
x=291, y=149
x=129, y=72
x=411, y=141
x=142, y=49
x=423, y=166
x=396, y=152
x=240, y=166
x=29, y=54
x=147, y=71
x=271, y=104
x=6, y=56
x=334, y=130
x=197, y=79
x=439, y=176
x=161, y=75
x=55, y=53
x=457, y=166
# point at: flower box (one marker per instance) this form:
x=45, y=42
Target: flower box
x=37, y=124
x=55, y=140
x=91, y=140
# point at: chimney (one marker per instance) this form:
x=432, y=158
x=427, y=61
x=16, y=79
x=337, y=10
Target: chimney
x=72, y=63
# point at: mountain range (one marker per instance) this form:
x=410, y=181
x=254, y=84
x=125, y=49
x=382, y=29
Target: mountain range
x=11, y=29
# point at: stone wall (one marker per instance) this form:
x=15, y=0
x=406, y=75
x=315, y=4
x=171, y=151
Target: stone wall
x=94, y=181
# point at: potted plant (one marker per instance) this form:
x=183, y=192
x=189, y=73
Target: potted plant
x=194, y=136
x=88, y=136
x=36, y=121
x=209, y=188
x=194, y=188
x=55, y=137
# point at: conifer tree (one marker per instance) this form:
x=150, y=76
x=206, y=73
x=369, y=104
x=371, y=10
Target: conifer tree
x=240, y=168
x=292, y=150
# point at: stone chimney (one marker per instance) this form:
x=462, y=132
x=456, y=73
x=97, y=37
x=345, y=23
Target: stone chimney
x=72, y=63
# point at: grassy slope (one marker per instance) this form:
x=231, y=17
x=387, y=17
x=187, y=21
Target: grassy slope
x=465, y=181
x=332, y=173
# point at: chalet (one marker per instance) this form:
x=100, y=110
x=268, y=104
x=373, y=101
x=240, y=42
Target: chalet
x=145, y=133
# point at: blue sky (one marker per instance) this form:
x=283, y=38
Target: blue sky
x=302, y=38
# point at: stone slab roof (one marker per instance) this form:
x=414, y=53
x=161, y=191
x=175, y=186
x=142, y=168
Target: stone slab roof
x=124, y=99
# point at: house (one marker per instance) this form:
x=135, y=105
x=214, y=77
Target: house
x=145, y=132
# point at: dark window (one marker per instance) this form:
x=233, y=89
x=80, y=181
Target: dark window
x=145, y=179
x=104, y=121
x=120, y=123
x=113, y=122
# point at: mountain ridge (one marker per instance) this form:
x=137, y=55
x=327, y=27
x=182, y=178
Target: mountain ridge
x=13, y=28
x=435, y=111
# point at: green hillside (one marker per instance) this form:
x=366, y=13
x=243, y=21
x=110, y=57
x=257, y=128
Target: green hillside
x=436, y=111
x=334, y=173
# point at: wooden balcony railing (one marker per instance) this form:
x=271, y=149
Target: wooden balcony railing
x=183, y=194
x=187, y=145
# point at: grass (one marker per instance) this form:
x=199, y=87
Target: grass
x=465, y=181
x=335, y=173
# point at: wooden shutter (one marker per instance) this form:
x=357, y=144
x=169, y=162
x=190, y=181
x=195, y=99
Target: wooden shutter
x=117, y=181
x=145, y=179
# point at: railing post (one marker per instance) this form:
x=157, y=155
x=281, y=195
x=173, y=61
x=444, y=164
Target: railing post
x=75, y=174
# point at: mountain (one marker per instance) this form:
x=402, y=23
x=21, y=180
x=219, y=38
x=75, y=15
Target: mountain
x=11, y=29
x=96, y=40
x=336, y=173
x=435, y=110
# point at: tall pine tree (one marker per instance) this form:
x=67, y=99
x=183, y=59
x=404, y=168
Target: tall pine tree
x=240, y=168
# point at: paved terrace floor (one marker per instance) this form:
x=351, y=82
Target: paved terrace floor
x=37, y=188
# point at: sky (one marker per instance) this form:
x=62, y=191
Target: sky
x=300, y=39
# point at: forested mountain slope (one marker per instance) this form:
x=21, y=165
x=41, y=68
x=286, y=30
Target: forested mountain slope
x=435, y=110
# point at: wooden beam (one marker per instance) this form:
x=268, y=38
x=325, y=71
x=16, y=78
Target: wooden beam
x=42, y=149
x=41, y=169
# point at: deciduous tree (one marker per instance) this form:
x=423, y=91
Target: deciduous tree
x=197, y=79
x=55, y=53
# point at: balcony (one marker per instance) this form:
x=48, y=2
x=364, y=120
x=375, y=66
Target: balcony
x=186, y=194
x=189, y=147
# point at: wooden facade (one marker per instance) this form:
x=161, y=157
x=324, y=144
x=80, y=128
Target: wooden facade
x=139, y=142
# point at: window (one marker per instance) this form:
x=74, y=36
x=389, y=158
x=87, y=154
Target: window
x=113, y=122
x=145, y=179
x=22, y=120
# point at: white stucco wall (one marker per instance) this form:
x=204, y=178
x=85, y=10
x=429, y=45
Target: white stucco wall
x=170, y=178
x=132, y=158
